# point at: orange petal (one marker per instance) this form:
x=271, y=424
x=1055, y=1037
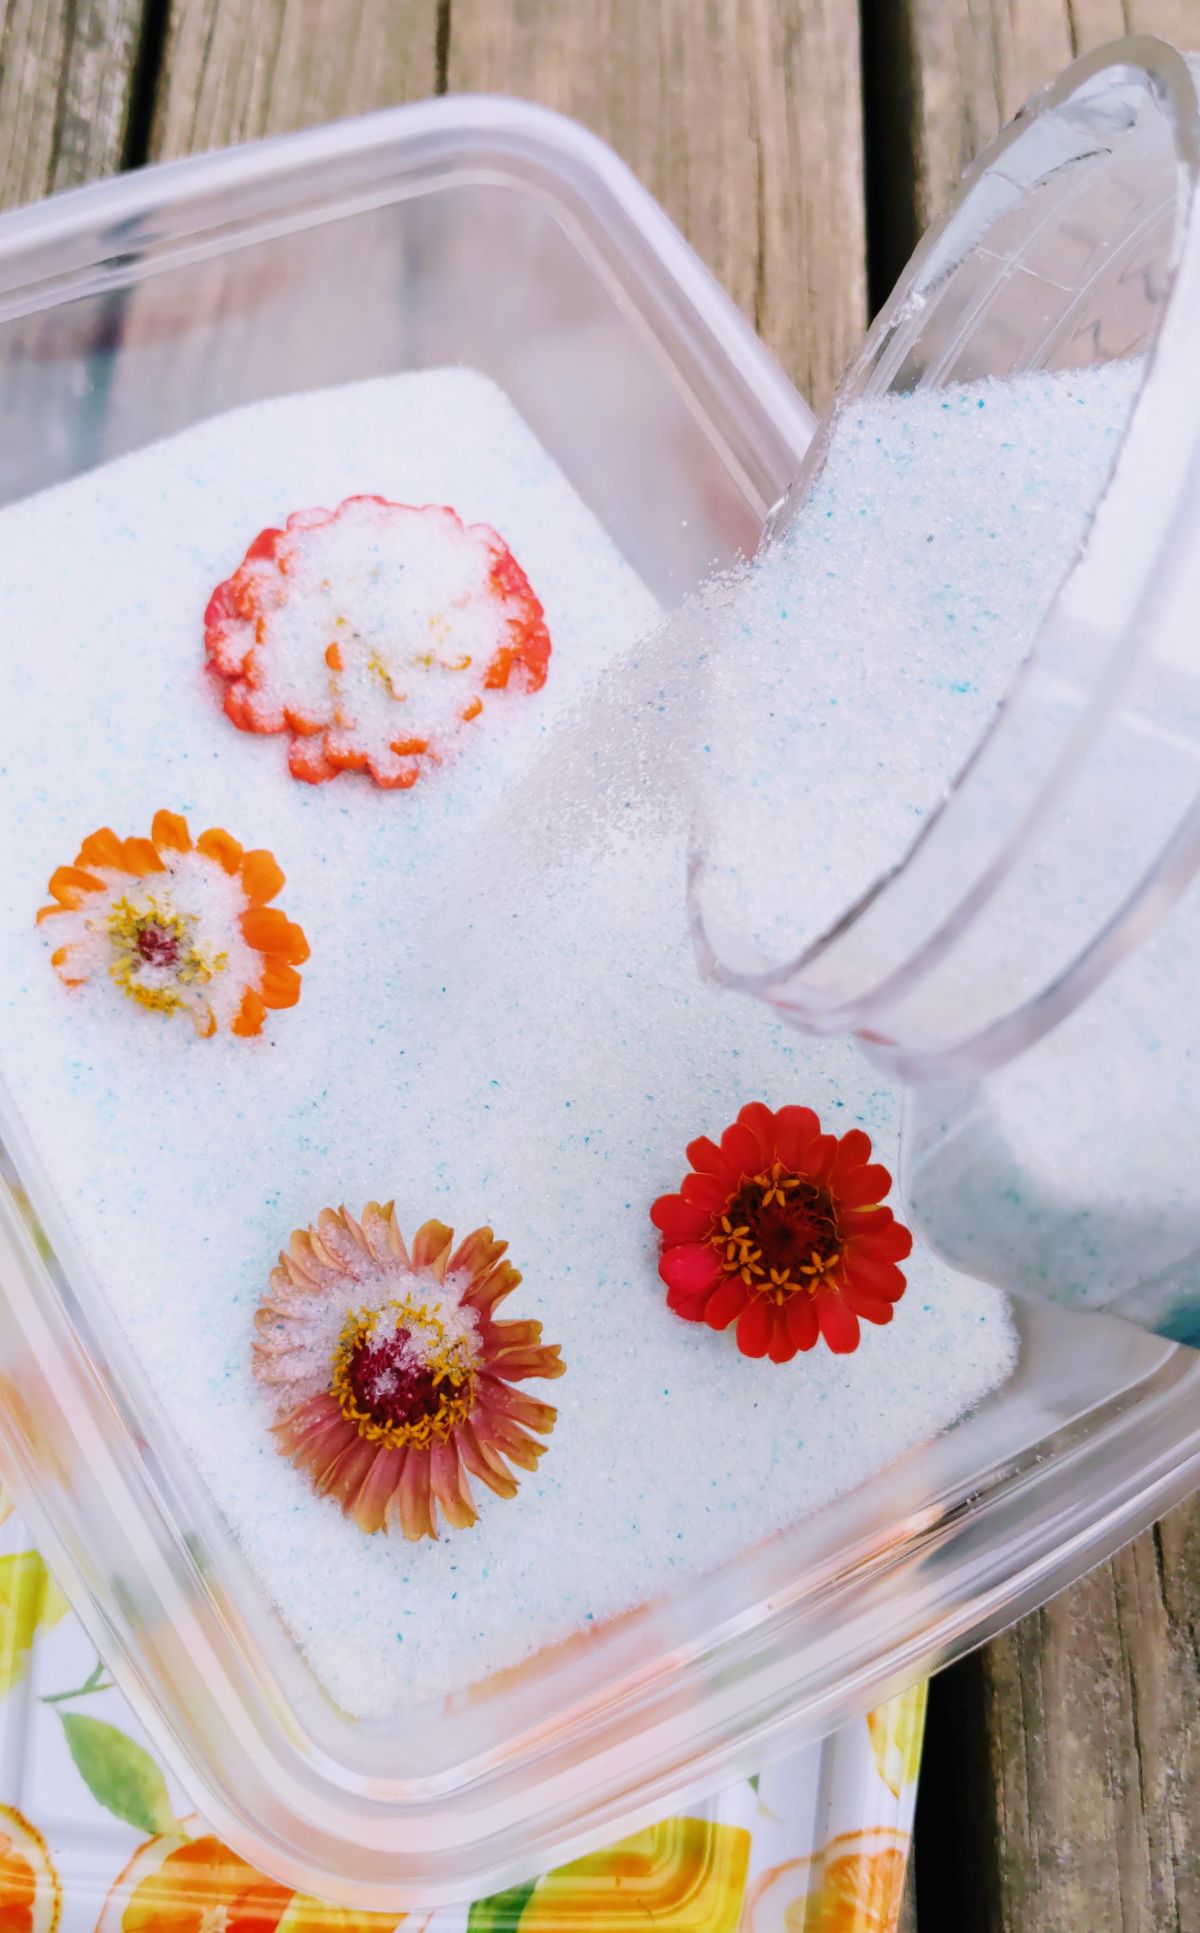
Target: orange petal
x=412, y=1498
x=271, y=931
x=484, y=1461
x=369, y=1509
x=169, y=831
x=141, y=856
x=221, y=847
x=250, y=1015
x=261, y=877
x=69, y=884
x=449, y=1486
x=101, y=848
x=431, y=1247
x=59, y=960
x=280, y=986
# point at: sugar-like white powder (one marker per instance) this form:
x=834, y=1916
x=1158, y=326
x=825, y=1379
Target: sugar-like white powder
x=525, y=1046
x=854, y=670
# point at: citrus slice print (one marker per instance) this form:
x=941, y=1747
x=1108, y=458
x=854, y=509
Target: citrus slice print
x=30, y=1893
x=896, y=1731
x=854, y=1886
x=688, y=1874
x=177, y=1884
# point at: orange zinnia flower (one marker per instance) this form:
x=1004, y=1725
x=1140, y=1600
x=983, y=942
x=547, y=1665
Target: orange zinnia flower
x=372, y=634
x=781, y=1229
x=392, y=1380
x=180, y=926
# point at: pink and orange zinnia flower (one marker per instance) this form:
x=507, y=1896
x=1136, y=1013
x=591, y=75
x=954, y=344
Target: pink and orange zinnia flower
x=781, y=1229
x=177, y=925
x=393, y=1382
x=373, y=634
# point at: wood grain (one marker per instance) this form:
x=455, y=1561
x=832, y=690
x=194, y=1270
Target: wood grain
x=236, y=69
x=719, y=109
x=974, y=62
x=1063, y=1763
x=66, y=83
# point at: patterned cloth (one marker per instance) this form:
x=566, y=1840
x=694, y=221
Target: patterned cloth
x=95, y=1835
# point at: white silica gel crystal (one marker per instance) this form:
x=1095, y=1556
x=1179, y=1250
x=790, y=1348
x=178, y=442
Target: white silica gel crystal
x=856, y=666
x=531, y=1050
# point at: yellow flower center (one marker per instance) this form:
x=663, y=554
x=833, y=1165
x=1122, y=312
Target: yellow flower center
x=403, y=1382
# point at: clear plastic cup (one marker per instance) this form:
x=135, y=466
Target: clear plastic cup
x=1075, y=824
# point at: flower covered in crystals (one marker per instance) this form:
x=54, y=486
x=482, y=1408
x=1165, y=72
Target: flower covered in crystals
x=373, y=634
x=178, y=926
x=392, y=1380
x=782, y=1229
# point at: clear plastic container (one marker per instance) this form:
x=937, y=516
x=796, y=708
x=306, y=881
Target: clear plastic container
x=985, y=968
x=130, y=310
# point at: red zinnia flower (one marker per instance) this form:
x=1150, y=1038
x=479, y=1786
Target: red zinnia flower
x=780, y=1229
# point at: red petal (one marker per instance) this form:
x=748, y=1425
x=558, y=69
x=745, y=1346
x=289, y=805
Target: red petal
x=839, y=1325
x=690, y=1307
x=796, y=1128
x=691, y=1267
x=878, y=1233
x=761, y=1123
x=705, y=1191
x=854, y=1150
x=820, y=1157
x=871, y=1308
x=755, y=1326
x=679, y=1220
x=783, y=1347
x=864, y=1188
x=740, y=1149
x=726, y=1303
x=803, y=1326
x=707, y=1159
x=874, y=1275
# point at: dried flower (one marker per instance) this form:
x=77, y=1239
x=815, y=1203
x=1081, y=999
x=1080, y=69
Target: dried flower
x=393, y=1383
x=373, y=633
x=179, y=926
x=781, y=1230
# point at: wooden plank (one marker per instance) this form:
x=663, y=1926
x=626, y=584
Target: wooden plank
x=1062, y=1775
x=236, y=69
x=974, y=64
x=718, y=109
x=66, y=85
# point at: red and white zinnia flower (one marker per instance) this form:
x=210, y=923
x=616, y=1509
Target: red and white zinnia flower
x=393, y=1382
x=782, y=1229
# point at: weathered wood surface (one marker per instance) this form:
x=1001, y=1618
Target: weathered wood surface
x=744, y=118
x=67, y=92
x=1061, y=1785
x=975, y=61
x=1062, y=1782
x=233, y=70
